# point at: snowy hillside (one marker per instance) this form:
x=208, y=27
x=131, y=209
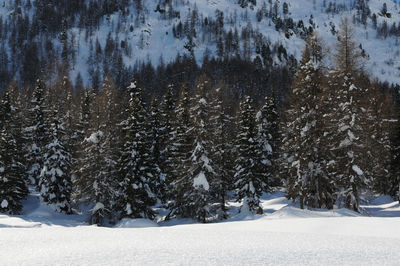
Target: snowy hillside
x=154, y=39
x=285, y=235
x=123, y=34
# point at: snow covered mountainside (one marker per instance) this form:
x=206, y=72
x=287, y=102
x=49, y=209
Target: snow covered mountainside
x=284, y=235
x=96, y=37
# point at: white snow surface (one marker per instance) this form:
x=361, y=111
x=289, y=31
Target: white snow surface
x=357, y=170
x=4, y=204
x=95, y=137
x=201, y=181
x=284, y=235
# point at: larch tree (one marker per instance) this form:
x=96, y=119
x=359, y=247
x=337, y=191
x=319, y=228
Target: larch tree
x=349, y=165
x=304, y=155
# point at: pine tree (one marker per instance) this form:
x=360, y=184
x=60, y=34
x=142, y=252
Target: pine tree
x=248, y=184
x=349, y=165
x=166, y=131
x=380, y=116
x=394, y=190
x=83, y=129
x=55, y=180
x=195, y=186
x=274, y=136
x=97, y=179
x=155, y=151
x=38, y=132
x=222, y=153
x=13, y=187
x=94, y=184
x=137, y=197
x=181, y=144
x=303, y=144
x=264, y=148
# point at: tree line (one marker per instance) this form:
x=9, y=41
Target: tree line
x=190, y=151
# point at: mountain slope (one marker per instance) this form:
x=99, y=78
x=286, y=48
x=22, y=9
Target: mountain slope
x=108, y=36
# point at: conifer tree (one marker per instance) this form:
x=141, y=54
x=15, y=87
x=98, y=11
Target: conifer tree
x=303, y=144
x=55, y=179
x=181, y=144
x=274, y=136
x=95, y=185
x=380, y=116
x=137, y=196
x=222, y=153
x=155, y=150
x=38, y=132
x=195, y=186
x=13, y=186
x=394, y=190
x=348, y=135
x=264, y=148
x=166, y=131
x=248, y=184
x=83, y=129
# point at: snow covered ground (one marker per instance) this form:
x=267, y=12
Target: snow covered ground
x=283, y=235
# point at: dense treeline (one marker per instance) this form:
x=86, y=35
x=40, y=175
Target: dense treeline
x=195, y=145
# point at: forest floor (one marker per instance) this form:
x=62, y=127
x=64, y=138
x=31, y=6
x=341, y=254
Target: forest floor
x=285, y=234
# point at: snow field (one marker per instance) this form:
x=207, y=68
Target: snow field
x=284, y=235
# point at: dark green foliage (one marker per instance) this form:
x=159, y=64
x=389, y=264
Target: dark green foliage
x=55, y=180
x=137, y=176
x=248, y=184
x=38, y=131
x=13, y=186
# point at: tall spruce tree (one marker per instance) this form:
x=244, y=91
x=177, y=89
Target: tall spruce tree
x=249, y=186
x=196, y=185
x=94, y=183
x=137, y=196
x=222, y=153
x=13, y=186
x=157, y=142
x=394, y=190
x=38, y=131
x=55, y=179
x=264, y=148
x=181, y=144
x=274, y=136
x=166, y=131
